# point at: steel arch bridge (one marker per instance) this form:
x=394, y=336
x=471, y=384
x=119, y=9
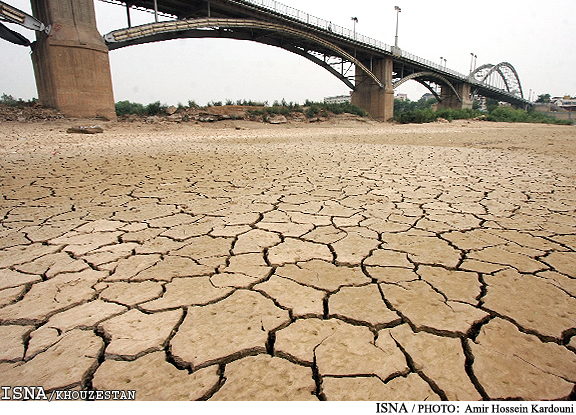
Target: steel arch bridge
x=429, y=80
x=338, y=50
x=285, y=37
x=370, y=68
x=502, y=76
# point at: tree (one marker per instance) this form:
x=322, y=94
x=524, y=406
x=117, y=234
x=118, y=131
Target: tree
x=424, y=103
x=544, y=98
x=491, y=104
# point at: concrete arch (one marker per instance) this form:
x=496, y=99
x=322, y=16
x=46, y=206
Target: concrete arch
x=214, y=27
x=498, y=68
x=421, y=77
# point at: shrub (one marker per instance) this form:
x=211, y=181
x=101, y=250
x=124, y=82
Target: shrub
x=501, y=114
x=278, y=109
x=155, y=108
x=8, y=100
x=416, y=116
x=312, y=111
x=256, y=112
x=316, y=108
x=428, y=115
x=127, y=107
x=13, y=102
x=353, y=109
x=457, y=114
x=509, y=114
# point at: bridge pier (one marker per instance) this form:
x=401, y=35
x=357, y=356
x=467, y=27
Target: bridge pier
x=71, y=65
x=450, y=100
x=377, y=101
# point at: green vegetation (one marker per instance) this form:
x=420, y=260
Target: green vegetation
x=310, y=109
x=406, y=112
x=429, y=115
x=491, y=104
x=406, y=106
x=155, y=108
x=509, y=114
x=543, y=98
x=345, y=107
x=421, y=111
x=315, y=109
x=127, y=107
x=13, y=102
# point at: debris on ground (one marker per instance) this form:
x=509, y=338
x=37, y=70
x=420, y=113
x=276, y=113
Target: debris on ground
x=93, y=129
x=28, y=112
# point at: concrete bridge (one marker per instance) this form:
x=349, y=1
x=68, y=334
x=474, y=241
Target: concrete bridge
x=73, y=73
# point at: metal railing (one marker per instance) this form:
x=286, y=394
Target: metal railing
x=309, y=19
x=303, y=17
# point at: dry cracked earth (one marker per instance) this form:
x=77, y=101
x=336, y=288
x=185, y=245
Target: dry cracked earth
x=341, y=262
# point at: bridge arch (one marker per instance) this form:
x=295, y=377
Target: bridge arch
x=507, y=73
x=224, y=28
x=422, y=77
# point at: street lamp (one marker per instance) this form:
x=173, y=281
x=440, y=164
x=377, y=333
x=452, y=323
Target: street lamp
x=355, y=20
x=398, y=10
x=471, y=61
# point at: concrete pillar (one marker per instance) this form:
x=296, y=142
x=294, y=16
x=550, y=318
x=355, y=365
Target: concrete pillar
x=450, y=100
x=71, y=65
x=378, y=102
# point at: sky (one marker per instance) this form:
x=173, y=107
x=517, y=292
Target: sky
x=538, y=38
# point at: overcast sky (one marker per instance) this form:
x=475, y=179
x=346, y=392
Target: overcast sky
x=538, y=38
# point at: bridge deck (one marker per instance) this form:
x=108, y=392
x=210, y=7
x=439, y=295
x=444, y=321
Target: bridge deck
x=362, y=47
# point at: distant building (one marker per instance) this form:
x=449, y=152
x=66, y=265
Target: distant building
x=566, y=103
x=401, y=97
x=339, y=99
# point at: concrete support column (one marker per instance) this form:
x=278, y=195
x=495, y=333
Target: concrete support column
x=379, y=102
x=71, y=65
x=450, y=100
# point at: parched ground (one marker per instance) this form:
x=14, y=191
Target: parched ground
x=239, y=261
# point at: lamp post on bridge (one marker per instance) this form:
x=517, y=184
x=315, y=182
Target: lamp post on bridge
x=472, y=62
x=355, y=20
x=398, y=10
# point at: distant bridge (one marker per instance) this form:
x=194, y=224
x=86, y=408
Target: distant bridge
x=370, y=68
x=333, y=47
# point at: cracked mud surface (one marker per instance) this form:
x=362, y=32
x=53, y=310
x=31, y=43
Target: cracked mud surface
x=342, y=262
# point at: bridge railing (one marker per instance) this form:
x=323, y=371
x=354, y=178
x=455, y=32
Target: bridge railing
x=307, y=18
x=303, y=17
